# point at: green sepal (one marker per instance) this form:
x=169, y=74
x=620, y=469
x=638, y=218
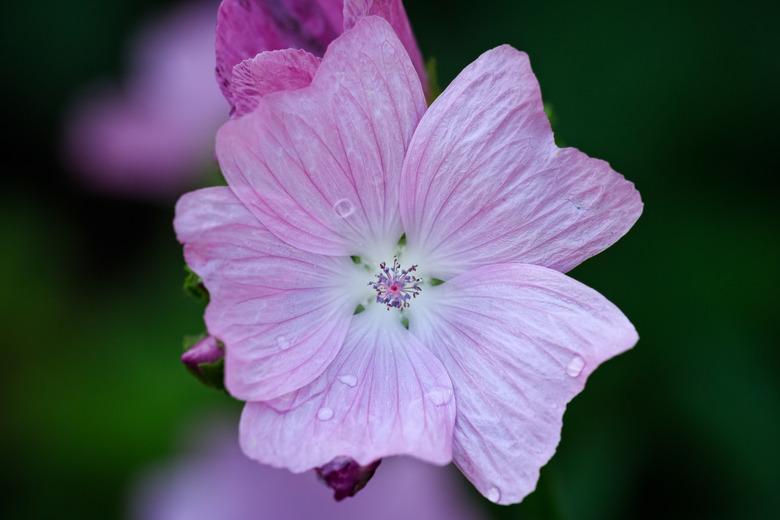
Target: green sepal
x=193, y=286
x=552, y=115
x=189, y=340
x=436, y=281
x=210, y=374
x=434, y=88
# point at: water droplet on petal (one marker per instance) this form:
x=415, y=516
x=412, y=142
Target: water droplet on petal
x=325, y=413
x=575, y=366
x=493, y=494
x=349, y=380
x=283, y=342
x=344, y=208
x=440, y=395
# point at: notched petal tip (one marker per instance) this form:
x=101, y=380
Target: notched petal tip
x=345, y=476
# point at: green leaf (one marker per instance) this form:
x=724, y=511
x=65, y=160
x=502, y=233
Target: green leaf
x=356, y=260
x=436, y=281
x=359, y=309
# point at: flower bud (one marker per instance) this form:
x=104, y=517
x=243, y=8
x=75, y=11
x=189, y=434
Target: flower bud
x=345, y=476
x=205, y=360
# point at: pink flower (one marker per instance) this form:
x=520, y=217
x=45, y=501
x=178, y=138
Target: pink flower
x=155, y=135
x=469, y=357
x=268, y=45
x=215, y=481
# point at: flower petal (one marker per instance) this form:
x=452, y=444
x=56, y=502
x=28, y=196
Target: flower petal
x=319, y=166
x=484, y=182
x=383, y=395
x=268, y=72
x=281, y=312
x=393, y=11
x=248, y=27
x=518, y=341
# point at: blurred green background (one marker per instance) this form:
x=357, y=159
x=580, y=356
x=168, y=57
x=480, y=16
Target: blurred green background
x=680, y=97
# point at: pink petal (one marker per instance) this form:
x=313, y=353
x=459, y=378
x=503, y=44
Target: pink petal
x=484, y=182
x=248, y=27
x=268, y=72
x=319, y=166
x=518, y=341
x=393, y=11
x=384, y=394
x=281, y=312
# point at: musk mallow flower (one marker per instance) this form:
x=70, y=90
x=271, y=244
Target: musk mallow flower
x=476, y=215
x=268, y=45
x=154, y=135
x=210, y=479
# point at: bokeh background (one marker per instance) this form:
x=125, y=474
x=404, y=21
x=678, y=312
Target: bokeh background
x=680, y=97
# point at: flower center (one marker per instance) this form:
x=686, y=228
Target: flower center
x=394, y=286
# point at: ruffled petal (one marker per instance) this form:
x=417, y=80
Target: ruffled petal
x=484, y=182
x=518, y=342
x=384, y=394
x=319, y=166
x=268, y=72
x=282, y=313
x=393, y=11
x=248, y=27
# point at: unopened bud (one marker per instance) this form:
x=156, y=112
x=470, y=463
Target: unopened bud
x=205, y=360
x=345, y=476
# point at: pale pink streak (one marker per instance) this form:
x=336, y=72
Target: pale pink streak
x=153, y=136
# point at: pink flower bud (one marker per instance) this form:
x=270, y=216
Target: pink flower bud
x=205, y=360
x=345, y=476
